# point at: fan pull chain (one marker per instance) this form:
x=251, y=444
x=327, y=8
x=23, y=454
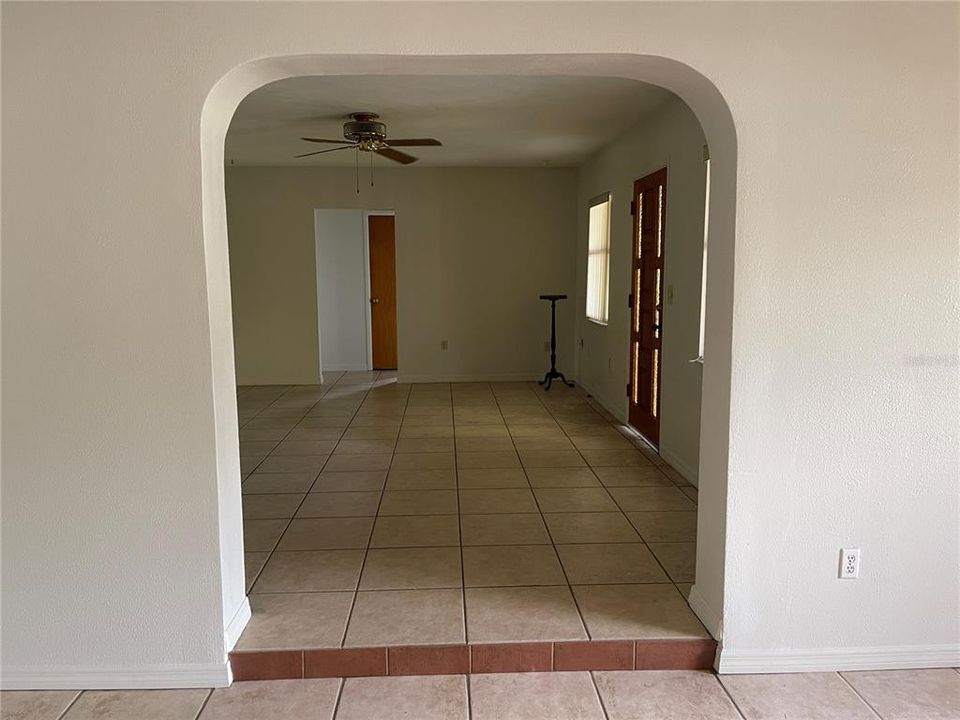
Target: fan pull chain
x=358, y=170
x=371, y=169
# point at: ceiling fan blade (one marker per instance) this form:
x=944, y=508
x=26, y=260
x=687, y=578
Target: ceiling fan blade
x=321, y=152
x=413, y=142
x=322, y=140
x=396, y=156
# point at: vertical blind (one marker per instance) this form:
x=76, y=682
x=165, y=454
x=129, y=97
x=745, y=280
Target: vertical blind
x=598, y=259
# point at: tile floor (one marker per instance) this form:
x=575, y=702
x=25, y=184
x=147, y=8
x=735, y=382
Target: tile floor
x=384, y=514
x=652, y=695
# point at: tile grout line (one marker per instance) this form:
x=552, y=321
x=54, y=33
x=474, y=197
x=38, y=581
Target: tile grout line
x=556, y=553
x=463, y=575
x=203, y=705
x=73, y=702
x=857, y=693
x=336, y=702
x=366, y=552
x=273, y=550
x=726, y=692
x=596, y=689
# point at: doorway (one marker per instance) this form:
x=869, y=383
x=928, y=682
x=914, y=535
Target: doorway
x=383, y=291
x=646, y=303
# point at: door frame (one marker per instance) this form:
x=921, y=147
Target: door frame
x=367, y=214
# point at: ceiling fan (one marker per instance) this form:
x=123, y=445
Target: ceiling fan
x=364, y=132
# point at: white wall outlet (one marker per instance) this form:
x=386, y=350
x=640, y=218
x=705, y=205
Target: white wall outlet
x=849, y=563
x=669, y=294
x=444, y=345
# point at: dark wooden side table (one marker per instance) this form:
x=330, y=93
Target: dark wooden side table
x=553, y=372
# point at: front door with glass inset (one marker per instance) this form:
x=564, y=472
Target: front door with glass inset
x=649, y=209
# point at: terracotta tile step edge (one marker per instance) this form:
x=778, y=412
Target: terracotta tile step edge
x=693, y=654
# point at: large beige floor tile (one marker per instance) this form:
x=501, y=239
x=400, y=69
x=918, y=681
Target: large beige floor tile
x=649, y=611
x=497, y=501
x=806, y=696
x=281, y=699
x=602, y=563
x=339, y=504
x=614, y=458
x=575, y=500
x=355, y=481
x=673, y=526
x=542, y=444
x=632, y=476
x=512, y=529
x=369, y=445
x=679, y=559
x=312, y=434
x=137, y=705
x=605, y=527
x=411, y=568
x=35, y=704
x=436, y=697
x=503, y=459
x=425, y=445
x=424, y=461
x=366, y=461
x=651, y=499
x=406, y=617
x=485, y=444
x=551, y=459
x=266, y=507
x=436, y=479
x=482, y=431
x=534, y=696
x=511, y=565
x=292, y=463
x=310, y=571
x=561, y=477
x=522, y=614
x=326, y=534
x=664, y=695
x=304, y=447
x=910, y=694
x=262, y=535
x=296, y=620
x=274, y=483
x=419, y=502
x=253, y=563
x=416, y=531
x=601, y=442
x=415, y=431
x=485, y=478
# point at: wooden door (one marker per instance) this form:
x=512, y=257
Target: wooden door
x=649, y=210
x=383, y=291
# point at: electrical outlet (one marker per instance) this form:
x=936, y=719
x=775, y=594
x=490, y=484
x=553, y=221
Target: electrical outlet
x=546, y=346
x=669, y=294
x=849, y=563
x=444, y=345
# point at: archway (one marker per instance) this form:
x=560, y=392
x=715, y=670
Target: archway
x=707, y=596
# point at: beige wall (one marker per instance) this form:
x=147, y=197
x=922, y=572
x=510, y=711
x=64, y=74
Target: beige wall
x=475, y=247
x=669, y=137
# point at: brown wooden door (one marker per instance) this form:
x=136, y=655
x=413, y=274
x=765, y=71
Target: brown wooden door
x=383, y=292
x=649, y=209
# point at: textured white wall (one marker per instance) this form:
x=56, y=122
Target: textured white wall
x=120, y=518
x=669, y=137
x=475, y=249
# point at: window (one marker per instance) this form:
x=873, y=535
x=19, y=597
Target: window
x=598, y=260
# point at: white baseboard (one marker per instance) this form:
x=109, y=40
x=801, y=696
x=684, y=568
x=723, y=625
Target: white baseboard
x=902, y=657
x=231, y=633
x=480, y=377
x=710, y=618
x=143, y=677
x=689, y=473
x=612, y=408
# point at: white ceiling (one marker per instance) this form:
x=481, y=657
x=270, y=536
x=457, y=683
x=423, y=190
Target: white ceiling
x=506, y=121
